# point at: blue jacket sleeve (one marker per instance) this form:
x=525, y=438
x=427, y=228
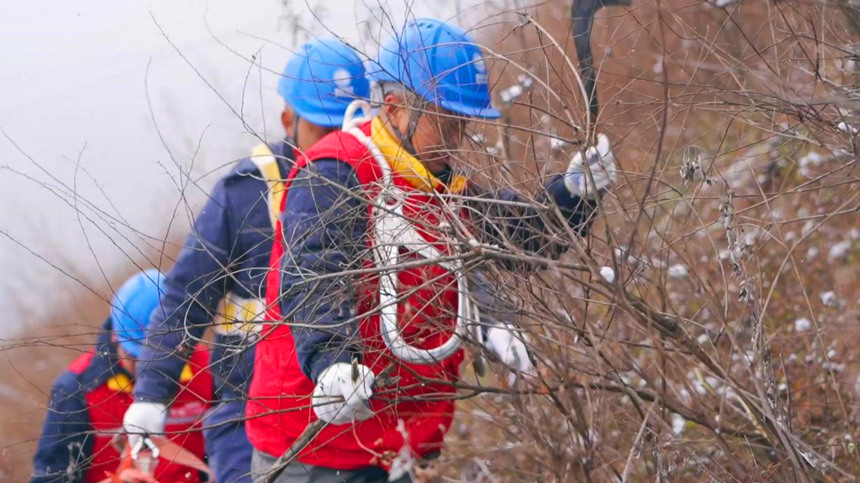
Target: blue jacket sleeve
x=193, y=289
x=64, y=443
x=530, y=228
x=325, y=224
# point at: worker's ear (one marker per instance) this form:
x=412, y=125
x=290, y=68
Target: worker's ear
x=125, y=359
x=288, y=119
x=396, y=110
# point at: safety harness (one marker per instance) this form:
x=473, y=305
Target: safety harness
x=394, y=232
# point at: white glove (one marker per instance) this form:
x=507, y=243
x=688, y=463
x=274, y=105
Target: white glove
x=601, y=163
x=338, y=399
x=142, y=419
x=509, y=347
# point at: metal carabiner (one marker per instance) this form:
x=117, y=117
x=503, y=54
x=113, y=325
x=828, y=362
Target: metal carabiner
x=394, y=232
x=147, y=462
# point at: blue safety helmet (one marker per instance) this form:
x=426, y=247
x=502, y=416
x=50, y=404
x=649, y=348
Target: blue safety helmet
x=321, y=79
x=440, y=63
x=132, y=306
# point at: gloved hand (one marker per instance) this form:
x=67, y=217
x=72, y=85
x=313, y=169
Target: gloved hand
x=142, y=419
x=510, y=348
x=338, y=399
x=601, y=163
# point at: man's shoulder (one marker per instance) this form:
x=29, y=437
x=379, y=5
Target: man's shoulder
x=88, y=372
x=337, y=145
x=81, y=363
x=68, y=385
x=245, y=172
x=243, y=186
x=327, y=174
x=243, y=168
x=246, y=169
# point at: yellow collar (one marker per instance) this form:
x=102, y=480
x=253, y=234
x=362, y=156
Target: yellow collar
x=407, y=166
x=120, y=383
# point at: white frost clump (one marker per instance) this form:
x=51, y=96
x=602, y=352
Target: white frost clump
x=811, y=159
x=480, y=139
x=511, y=93
x=403, y=463
x=677, y=271
x=842, y=126
x=608, y=274
x=829, y=299
x=658, y=66
x=802, y=325
x=481, y=414
x=839, y=250
x=678, y=423
x=556, y=144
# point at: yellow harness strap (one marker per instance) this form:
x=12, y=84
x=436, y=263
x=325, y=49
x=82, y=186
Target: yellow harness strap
x=187, y=374
x=265, y=160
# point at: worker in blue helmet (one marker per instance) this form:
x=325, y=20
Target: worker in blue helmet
x=318, y=83
x=219, y=276
x=132, y=305
x=386, y=192
x=88, y=399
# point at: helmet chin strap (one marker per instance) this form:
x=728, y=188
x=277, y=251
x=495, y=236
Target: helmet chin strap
x=296, y=120
x=406, y=139
x=414, y=117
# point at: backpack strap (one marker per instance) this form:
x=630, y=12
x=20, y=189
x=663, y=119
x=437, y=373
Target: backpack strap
x=264, y=158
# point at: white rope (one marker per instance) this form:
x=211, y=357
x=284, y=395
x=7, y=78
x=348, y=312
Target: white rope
x=393, y=231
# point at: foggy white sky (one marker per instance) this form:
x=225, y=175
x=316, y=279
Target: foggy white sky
x=73, y=83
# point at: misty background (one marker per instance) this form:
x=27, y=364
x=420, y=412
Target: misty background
x=117, y=117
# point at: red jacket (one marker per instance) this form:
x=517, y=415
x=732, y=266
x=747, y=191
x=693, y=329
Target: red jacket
x=279, y=408
x=87, y=406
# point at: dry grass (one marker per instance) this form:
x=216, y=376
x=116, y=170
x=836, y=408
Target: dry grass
x=729, y=387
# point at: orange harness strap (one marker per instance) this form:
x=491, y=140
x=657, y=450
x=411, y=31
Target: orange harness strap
x=169, y=451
